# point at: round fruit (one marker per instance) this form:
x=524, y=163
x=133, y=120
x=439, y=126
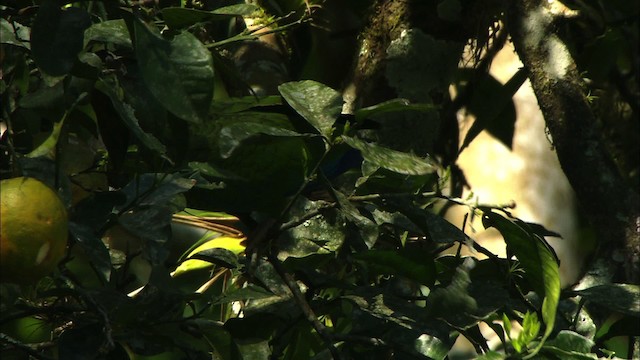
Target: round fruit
x=33, y=230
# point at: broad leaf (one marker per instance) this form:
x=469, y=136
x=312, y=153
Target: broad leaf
x=14, y=33
x=57, y=37
x=232, y=135
x=538, y=260
x=127, y=114
x=318, y=104
x=110, y=31
x=367, y=229
x=570, y=345
x=622, y=298
x=414, y=265
x=178, y=17
x=94, y=248
x=395, y=105
x=396, y=161
x=179, y=72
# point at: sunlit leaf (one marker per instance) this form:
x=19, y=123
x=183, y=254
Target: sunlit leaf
x=320, y=105
x=402, y=163
x=538, y=260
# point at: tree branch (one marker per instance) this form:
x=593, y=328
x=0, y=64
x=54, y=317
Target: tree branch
x=611, y=206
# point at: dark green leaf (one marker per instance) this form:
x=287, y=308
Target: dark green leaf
x=155, y=189
x=318, y=104
x=368, y=229
x=396, y=161
x=178, y=17
x=538, y=260
x=153, y=225
x=44, y=98
x=250, y=292
x=235, y=105
x=233, y=134
x=411, y=264
x=110, y=31
x=452, y=302
x=622, y=298
x=395, y=105
x=570, y=345
x=237, y=10
x=80, y=343
x=218, y=256
x=127, y=114
x=316, y=235
x=94, y=248
x=396, y=219
x=57, y=37
x=179, y=72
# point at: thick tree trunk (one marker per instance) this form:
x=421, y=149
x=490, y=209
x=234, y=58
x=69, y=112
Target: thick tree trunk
x=610, y=204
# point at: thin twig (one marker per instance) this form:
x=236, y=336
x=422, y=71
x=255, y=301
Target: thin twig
x=305, y=307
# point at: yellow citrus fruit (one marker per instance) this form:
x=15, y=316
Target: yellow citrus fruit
x=33, y=230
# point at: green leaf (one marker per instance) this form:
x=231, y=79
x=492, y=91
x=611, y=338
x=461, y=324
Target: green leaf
x=178, y=17
x=368, y=229
x=127, y=114
x=82, y=342
x=622, y=298
x=452, y=302
x=94, y=248
x=316, y=235
x=318, y=104
x=395, y=105
x=570, y=345
x=412, y=264
x=530, y=330
x=492, y=355
x=396, y=161
x=110, y=31
x=538, y=260
x=179, y=73
x=250, y=292
x=237, y=10
x=235, y=105
x=57, y=37
x=232, y=135
x=152, y=224
x=214, y=256
x=44, y=98
x=13, y=33
x=48, y=147
x=402, y=324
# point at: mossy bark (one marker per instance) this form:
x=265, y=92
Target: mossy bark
x=610, y=204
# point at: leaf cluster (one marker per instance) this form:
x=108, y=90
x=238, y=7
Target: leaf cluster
x=338, y=247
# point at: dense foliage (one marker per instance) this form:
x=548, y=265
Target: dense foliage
x=322, y=230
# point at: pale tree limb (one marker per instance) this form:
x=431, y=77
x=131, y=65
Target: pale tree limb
x=612, y=207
